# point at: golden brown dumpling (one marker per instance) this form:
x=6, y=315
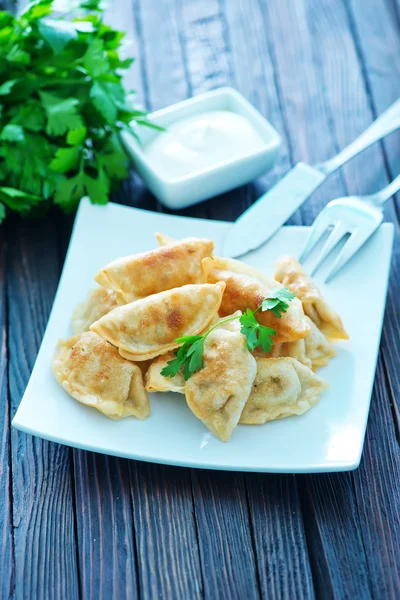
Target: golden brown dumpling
x=218, y=393
x=92, y=372
x=246, y=288
x=313, y=351
x=165, y=268
x=98, y=303
x=155, y=382
x=282, y=387
x=291, y=274
x=164, y=240
x=149, y=327
x=318, y=349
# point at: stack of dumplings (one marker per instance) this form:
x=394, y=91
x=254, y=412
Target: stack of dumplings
x=125, y=333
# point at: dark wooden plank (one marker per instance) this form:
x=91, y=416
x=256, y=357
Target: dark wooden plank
x=43, y=512
x=167, y=546
x=274, y=503
x=377, y=36
x=279, y=537
x=250, y=46
x=226, y=550
x=159, y=556
x=6, y=534
x=206, y=47
x=331, y=93
x=107, y=553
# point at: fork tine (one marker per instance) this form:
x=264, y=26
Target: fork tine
x=353, y=244
x=317, y=230
x=336, y=235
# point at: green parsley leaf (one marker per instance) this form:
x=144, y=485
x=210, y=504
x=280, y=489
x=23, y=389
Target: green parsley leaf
x=61, y=114
x=6, y=87
x=66, y=159
x=68, y=192
x=265, y=338
x=282, y=294
x=249, y=328
x=2, y=212
x=62, y=105
x=278, y=300
x=12, y=133
x=104, y=95
x=98, y=188
x=30, y=115
x=17, y=200
x=76, y=137
x=57, y=33
x=196, y=358
x=189, y=356
x=94, y=59
x=172, y=368
x=17, y=55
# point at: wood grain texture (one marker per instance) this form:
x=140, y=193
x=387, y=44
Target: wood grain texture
x=335, y=100
x=6, y=534
x=279, y=537
x=106, y=544
x=279, y=543
x=378, y=43
x=84, y=525
x=43, y=517
x=166, y=539
x=226, y=550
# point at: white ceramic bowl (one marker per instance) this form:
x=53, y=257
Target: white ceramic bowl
x=191, y=189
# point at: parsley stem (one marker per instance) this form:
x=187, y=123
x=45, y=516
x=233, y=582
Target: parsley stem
x=226, y=320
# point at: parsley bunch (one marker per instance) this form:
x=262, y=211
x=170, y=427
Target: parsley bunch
x=189, y=357
x=62, y=107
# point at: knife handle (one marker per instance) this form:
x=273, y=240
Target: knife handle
x=388, y=122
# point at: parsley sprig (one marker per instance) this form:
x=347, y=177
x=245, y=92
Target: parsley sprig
x=189, y=356
x=62, y=107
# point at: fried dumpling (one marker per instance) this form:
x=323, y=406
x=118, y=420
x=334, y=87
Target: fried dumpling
x=282, y=387
x=313, y=351
x=167, y=267
x=149, y=327
x=318, y=348
x=155, y=382
x=92, y=372
x=164, y=240
x=246, y=288
x=291, y=274
x=98, y=303
x=217, y=393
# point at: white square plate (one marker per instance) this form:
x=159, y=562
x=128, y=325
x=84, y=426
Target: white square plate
x=327, y=438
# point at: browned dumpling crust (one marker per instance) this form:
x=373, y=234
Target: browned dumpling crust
x=314, y=351
x=291, y=274
x=98, y=303
x=149, y=327
x=282, y=387
x=164, y=268
x=218, y=393
x=92, y=372
x=155, y=382
x=319, y=350
x=247, y=288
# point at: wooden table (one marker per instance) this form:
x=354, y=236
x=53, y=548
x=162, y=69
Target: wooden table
x=79, y=525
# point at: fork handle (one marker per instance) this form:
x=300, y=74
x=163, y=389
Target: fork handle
x=388, y=122
x=379, y=198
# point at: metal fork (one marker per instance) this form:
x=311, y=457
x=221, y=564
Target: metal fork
x=358, y=215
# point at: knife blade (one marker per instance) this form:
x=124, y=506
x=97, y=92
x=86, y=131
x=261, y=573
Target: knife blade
x=270, y=212
x=263, y=218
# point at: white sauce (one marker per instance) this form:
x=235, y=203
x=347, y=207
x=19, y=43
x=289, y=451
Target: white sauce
x=200, y=142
